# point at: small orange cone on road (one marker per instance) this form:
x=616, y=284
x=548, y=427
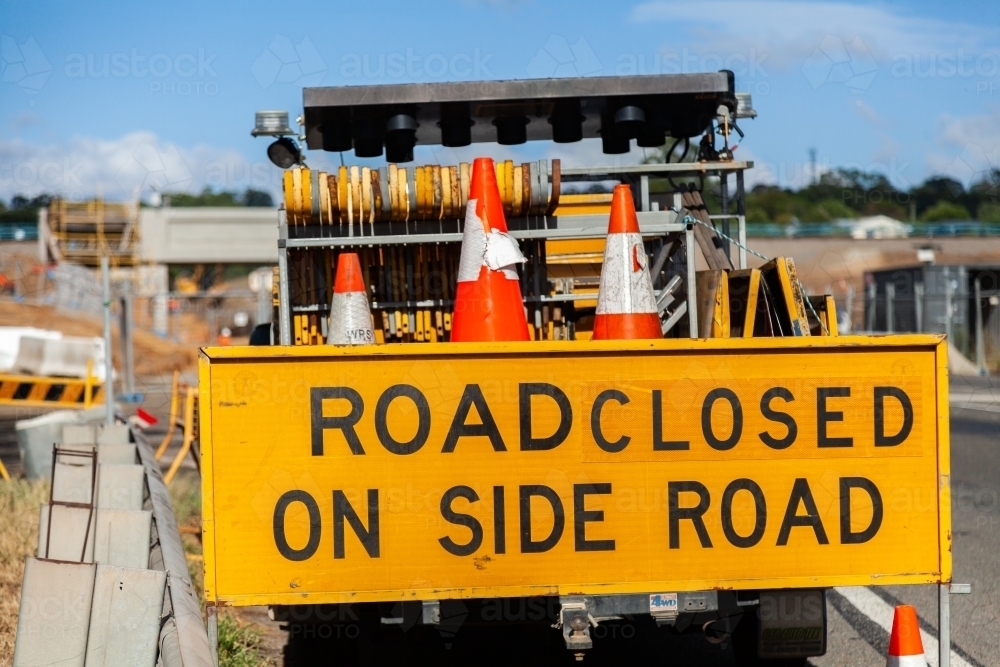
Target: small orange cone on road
x=626, y=307
x=350, y=318
x=905, y=646
x=488, y=302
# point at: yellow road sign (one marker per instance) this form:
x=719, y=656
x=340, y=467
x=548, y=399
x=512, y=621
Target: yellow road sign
x=515, y=469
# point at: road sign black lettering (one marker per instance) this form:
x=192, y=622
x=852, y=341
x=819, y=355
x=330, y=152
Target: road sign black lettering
x=582, y=516
x=676, y=513
x=525, y=391
x=595, y=421
x=473, y=396
x=345, y=424
x=659, y=444
x=342, y=510
x=278, y=525
x=801, y=494
x=824, y=416
x=706, y=419
x=499, y=521
x=527, y=492
x=792, y=429
x=459, y=519
x=760, y=513
x=382, y=414
x=847, y=536
x=881, y=439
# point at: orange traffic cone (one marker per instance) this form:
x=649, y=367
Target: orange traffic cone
x=488, y=302
x=350, y=319
x=905, y=646
x=626, y=307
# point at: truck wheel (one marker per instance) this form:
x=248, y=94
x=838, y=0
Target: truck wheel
x=744, y=640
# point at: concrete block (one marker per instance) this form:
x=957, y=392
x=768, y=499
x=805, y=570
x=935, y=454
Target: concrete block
x=123, y=538
x=54, y=620
x=66, y=357
x=74, y=482
x=69, y=532
x=120, y=486
x=115, y=434
x=10, y=341
x=79, y=434
x=125, y=454
x=35, y=438
x=125, y=617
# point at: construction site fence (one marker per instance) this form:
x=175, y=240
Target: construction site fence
x=845, y=229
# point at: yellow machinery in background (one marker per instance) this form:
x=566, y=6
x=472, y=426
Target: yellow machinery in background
x=83, y=232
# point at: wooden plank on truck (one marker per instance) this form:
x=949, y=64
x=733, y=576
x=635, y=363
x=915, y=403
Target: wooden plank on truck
x=712, y=290
x=537, y=468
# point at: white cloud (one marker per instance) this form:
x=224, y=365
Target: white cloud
x=969, y=146
x=139, y=162
x=791, y=32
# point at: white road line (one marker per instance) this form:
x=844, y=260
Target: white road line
x=881, y=612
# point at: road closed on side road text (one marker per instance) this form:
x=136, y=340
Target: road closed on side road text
x=463, y=471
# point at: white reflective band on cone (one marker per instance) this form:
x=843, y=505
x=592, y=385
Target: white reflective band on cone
x=497, y=250
x=618, y=295
x=350, y=320
x=906, y=661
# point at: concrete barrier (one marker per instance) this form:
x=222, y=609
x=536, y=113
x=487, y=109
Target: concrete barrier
x=71, y=528
x=54, y=619
x=35, y=437
x=121, y=612
x=119, y=487
x=122, y=538
x=125, y=617
x=64, y=357
x=125, y=454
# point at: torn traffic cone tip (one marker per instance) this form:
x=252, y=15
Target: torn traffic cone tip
x=488, y=305
x=488, y=208
x=350, y=318
x=906, y=649
x=349, y=277
x=626, y=305
x=623, y=218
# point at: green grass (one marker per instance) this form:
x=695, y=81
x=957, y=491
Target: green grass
x=239, y=643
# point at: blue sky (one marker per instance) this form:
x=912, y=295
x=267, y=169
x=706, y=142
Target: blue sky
x=139, y=96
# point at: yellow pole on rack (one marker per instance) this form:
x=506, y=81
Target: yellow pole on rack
x=172, y=422
x=189, y=435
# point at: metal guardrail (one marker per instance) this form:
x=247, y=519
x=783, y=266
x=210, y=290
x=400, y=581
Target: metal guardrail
x=183, y=637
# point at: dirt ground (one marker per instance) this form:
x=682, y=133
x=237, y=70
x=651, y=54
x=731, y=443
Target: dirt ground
x=837, y=266
x=153, y=355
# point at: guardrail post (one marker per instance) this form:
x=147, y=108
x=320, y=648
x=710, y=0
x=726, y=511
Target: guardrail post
x=944, y=625
x=109, y=385
x=212, y=613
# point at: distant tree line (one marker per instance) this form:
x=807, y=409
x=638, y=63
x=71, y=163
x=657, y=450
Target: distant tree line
x=249, y=197
x=850, y=193
x=25, y=209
